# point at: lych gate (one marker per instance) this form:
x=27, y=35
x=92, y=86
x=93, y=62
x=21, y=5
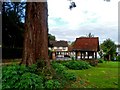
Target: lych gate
x=86, y=47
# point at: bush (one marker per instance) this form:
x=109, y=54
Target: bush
x=62, y=75
x=30, y=80
x=73, y=58
x=93, y=62
x=30, y=77
x=70, y=76
x=59, y=68
x=77, y=65
x=20, y=77
x=118, y=58
x=100, y=60
x=52, y=84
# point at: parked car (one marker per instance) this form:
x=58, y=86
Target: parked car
x=67, y=56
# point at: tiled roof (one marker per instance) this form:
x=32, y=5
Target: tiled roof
x=86, y=44
x=59, y=43
x=70, y=48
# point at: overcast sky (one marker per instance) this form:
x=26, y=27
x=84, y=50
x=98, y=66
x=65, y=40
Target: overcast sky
x=90, y=16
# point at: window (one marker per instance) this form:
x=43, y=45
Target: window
x=64, y=48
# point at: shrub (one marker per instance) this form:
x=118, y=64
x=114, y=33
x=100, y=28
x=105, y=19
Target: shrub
x=62, y=75
x=73, y=58
x=30, y=80
x=70, y=76
x=57, y=84
x=22, y=77
x=77, y=65
x=49, y=84
x=118, y=58
x=15, y=76
x=93, y=62
x=100, y=60
x=59, y=68
x=52, y=84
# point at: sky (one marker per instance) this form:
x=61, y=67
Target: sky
x=89, y=16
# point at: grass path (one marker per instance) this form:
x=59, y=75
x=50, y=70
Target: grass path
x=105, y=75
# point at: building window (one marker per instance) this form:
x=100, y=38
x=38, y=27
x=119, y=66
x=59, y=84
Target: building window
x=64, y=48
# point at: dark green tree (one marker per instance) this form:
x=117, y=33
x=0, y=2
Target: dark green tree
x=101, y=53
x=109, y=49
x=12, y=25
x=51, y=37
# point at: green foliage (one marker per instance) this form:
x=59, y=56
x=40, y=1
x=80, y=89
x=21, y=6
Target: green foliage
x=52, y=84
x=77, y=65
x=30, y=80
x=100, y=60
x=1, y=77
x=118, y=58
x=73, y=58
x=59, y=68
x=100, y=53
x=16, y=76
x=62, y=61
x=49, y=84
x=40, y=64
x=13, y=27
x=32, y=77
x=51, y=37
x=70, y=76
x=62, y=75
x=93, y=62
x=108, y=47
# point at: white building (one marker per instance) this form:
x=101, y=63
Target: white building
x=59, y=47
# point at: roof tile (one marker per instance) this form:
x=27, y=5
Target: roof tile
x=86, y=44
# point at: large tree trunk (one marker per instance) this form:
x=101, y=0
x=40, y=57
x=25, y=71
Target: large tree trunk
x=36, y=33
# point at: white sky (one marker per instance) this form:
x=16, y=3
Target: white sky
x=90, y=16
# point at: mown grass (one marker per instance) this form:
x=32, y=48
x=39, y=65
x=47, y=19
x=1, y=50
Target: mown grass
x=104, y=75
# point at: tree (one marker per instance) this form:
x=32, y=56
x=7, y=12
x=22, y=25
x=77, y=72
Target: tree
x=90, y=35
x=101, y=53
x=12, y=29
x=51, y=37
x=109, y=49
x=36, y=33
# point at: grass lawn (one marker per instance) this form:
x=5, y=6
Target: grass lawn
x=104, y=75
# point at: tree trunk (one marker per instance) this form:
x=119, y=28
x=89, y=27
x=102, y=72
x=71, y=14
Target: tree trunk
x=36, y=33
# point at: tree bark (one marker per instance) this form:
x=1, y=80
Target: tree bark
x=36, y=33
